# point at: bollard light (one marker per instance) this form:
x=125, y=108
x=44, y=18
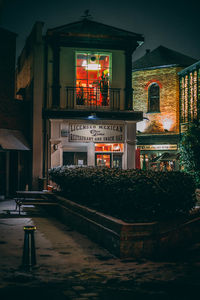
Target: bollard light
x=29, y=255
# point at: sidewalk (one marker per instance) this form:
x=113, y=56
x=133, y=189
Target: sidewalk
x=69, y=266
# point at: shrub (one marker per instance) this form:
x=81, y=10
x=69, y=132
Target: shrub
x=133, y=195
x=189, y=151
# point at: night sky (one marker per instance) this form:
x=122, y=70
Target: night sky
x=174, y=24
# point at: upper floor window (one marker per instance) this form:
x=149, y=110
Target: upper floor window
x=154, y=98
x=93, y=78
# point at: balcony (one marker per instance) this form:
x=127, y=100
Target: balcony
x=87, y=103
x=92, y=98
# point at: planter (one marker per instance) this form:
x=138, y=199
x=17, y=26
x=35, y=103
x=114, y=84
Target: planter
x=125, y=240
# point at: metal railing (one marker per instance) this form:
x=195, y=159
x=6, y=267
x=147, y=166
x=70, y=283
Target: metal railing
x=92, y=98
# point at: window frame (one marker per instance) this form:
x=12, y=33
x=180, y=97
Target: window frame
x=87, y=90
x=150, y=110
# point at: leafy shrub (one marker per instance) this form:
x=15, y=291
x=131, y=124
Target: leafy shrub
x=189, y=150
x=133, y=195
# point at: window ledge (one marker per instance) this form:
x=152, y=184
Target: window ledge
x=153, y=112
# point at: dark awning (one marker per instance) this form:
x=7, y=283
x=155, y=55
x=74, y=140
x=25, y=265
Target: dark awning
x=12, y=140
x=168, y=156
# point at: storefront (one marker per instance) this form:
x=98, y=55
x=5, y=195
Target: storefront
x=160, y=155
x=95, y=143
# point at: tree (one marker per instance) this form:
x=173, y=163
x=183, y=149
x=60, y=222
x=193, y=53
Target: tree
x=190, y=151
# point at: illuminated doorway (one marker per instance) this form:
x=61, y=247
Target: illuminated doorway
x=103, y=160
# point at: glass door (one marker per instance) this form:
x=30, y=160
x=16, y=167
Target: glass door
x=103, y=160
x=117, y=161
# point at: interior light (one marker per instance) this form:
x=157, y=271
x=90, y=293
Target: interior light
x=92, y=116
x=84, y=64
x=91, y=67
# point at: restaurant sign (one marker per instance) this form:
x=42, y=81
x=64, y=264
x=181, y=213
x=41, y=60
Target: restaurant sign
x=106, y=133
x=158, y=147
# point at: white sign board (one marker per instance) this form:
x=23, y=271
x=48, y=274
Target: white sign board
x=98, y=133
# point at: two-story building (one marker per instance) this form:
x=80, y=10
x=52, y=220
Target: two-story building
x=78, y=78
x=156, y=93
x=189, y=95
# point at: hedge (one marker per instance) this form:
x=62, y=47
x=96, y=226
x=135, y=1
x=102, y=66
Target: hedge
x=131, y=195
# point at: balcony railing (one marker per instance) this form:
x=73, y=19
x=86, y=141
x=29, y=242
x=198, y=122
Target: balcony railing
x=92, y=98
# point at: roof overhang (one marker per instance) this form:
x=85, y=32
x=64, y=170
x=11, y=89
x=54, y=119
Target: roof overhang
x=134, y=116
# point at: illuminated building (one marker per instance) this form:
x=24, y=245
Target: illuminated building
x=78, y=79
x=156, y=93
x=189, y=95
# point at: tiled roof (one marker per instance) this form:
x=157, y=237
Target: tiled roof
x=162, y=57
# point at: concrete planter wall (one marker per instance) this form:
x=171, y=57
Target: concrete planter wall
x=137, y=240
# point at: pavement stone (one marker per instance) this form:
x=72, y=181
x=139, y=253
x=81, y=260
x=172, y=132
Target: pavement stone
x=70, y=266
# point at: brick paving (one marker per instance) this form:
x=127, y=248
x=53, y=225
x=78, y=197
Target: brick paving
x=70, y=266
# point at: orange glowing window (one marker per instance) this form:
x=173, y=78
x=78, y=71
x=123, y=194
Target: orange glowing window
x=103, y=160
x=109, y=147
x=93, y=78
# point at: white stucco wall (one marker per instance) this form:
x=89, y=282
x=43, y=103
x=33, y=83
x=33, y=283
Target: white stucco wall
x=60, y=144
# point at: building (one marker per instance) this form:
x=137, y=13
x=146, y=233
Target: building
x=78, y=78
x=156, y=93
x=13, y=145
x=189, y=95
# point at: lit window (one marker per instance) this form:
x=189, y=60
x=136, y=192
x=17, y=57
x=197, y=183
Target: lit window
x=93, y=78
x=109, y=147
x=154, y=98
x=186, y=98
x=195, y=94
x=182, y=87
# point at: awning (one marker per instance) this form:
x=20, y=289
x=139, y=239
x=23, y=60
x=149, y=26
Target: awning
x=169, y=156
x=12, y=140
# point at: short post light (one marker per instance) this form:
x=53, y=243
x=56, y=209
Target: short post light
x=29, y=255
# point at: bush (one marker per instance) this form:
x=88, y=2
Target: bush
x=133, y=195
x=189, y=151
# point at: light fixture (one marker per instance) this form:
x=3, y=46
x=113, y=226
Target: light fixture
x=167, y=124
x=55, y=147
x=92, y=116
x=91, y=66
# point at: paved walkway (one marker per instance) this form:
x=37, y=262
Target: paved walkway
x=69, y=266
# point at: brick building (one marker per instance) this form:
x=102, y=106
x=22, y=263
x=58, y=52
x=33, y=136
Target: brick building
x=156, y=93
x=13, y=146
x=189, y=95
x=77, y=78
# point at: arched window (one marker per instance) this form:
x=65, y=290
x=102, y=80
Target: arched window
x=154, y=98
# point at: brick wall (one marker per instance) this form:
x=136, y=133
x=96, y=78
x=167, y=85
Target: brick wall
x=168, y=80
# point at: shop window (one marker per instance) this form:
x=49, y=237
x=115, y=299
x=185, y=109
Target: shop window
x=111, y=160
x=109, y=147
x=75, y=158
x=93, y=78
x=103, y=160
x=154, y=98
